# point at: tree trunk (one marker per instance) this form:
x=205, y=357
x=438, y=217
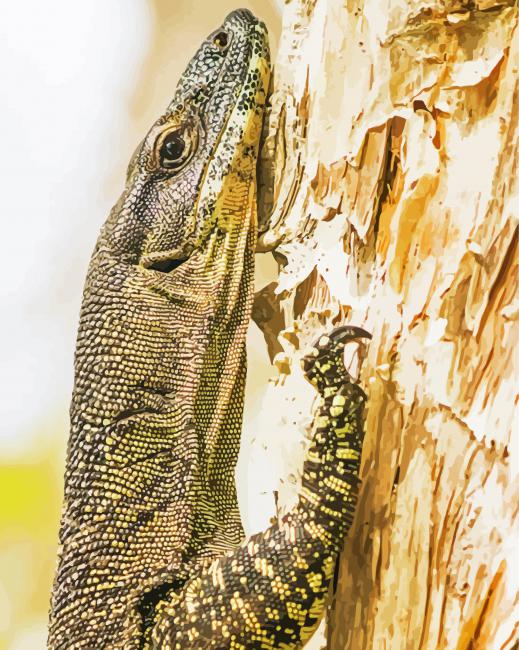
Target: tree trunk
x=390, y=195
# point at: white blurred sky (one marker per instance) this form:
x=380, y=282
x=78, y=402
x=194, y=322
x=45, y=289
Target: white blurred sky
x=81, y=84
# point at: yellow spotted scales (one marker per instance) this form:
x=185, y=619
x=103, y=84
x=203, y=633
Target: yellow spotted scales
x=151, y=550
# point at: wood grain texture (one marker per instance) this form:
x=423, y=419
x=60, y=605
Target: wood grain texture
x=390, y=194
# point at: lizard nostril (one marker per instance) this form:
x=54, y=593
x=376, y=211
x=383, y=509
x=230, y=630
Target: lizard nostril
x=221, y=40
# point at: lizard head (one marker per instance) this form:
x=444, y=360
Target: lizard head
x=190, y=195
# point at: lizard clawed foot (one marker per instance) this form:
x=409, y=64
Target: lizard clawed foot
x=324, y=363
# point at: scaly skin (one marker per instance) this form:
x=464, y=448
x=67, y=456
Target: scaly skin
x=160, y=358
x=150, y=528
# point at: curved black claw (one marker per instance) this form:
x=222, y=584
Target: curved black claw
x=324, y=364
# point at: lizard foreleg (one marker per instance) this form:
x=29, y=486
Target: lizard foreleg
x=270, y=592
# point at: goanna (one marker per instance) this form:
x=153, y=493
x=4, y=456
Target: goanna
x=151, y=540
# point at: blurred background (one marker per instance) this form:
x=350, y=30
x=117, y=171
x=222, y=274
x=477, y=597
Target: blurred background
x=81, y=84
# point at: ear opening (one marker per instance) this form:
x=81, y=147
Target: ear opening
x=166, y=266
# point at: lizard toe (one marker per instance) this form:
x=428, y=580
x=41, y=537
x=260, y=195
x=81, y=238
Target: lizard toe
x=324, y=363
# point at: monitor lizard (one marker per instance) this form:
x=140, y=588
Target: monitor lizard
x=151, y=542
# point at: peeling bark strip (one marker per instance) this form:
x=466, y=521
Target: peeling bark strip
x=390, y=191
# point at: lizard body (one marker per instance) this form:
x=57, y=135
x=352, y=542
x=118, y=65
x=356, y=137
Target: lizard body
x=160, y=356
x=150, y=530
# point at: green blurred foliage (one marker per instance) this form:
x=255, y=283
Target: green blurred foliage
x=31, y=492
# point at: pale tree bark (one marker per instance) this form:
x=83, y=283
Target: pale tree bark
x=390, y=192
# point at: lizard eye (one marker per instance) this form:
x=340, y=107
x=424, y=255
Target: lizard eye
x=173, y=147
x=221, y=39
x=176, y=148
